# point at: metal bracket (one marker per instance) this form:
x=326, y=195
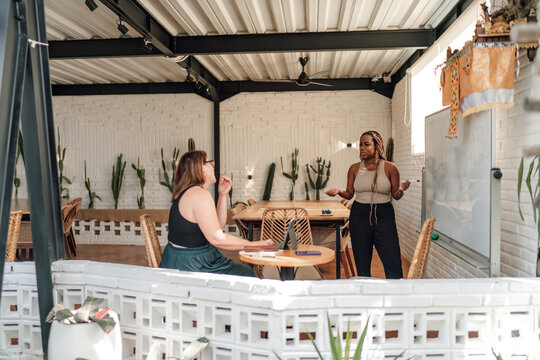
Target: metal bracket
x=33, y=43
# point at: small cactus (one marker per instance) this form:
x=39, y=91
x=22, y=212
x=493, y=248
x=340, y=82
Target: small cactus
x=91, y=194
x=307, y=190
x=20, y=153
x=269, y=182
x=117, y=178
x=319, y=183
x=61, y=153
x=390, y=150
x=142, y=181
x=191, y=144
x=169, y=184
x=293, y=176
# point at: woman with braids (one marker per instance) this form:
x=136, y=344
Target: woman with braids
x=196, y=226
x=372, y=222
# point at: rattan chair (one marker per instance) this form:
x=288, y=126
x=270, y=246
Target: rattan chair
x=242, y=228
x=69, y=211
x=151, y=241
x=274, y=226
x=13, y=235
x=419, y=261
x=346, y=255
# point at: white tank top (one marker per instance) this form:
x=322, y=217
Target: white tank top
x=363, y=181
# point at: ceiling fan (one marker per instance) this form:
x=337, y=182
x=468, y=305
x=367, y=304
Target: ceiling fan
x=303, y=79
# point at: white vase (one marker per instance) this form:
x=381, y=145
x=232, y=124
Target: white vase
x=85, y=340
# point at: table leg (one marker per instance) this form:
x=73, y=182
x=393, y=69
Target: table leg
x=250, y=231
x=286, y=273
x=338, y=251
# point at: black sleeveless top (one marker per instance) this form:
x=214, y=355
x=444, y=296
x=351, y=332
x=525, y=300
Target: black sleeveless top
x=183, y=232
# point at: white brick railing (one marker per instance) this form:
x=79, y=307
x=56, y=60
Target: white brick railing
x=250, y=318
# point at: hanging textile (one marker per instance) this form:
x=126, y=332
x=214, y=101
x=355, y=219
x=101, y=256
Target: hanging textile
x=485, y=80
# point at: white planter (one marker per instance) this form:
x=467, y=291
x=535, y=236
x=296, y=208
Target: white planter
x=87, y=341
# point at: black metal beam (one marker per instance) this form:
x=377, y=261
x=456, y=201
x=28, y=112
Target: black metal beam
x=69, y=49
x=252, y=43
x=315, y=41
x=122, y=89
x=139, y=19
x=448, y=20
x=203, y=76
x=217, y=153
x=231, y=88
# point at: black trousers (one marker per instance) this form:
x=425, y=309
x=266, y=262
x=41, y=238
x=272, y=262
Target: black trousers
x=381, y=233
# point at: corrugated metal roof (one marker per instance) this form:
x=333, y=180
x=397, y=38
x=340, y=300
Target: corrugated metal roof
x=71, y=19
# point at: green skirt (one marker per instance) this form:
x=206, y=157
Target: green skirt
x=205, y=258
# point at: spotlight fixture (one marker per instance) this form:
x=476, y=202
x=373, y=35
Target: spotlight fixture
x=148, y=45
x=91, y=4
x=250, y=177
x=189, y=77
x=349, y=145
x=198, y=85
x=121, y=27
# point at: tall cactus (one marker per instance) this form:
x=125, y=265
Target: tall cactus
x=169, y=184
x=319, y=183
x=390, y=150
x=142, y=182
x=307, y=190
x=91, y=194
x=269, y=182
x=191, y=144
x=117, y=178
x=293, y=176
x=61, y=152
x=20, y=153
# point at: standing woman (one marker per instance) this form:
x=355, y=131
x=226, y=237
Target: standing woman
x=196, y=224
x=372, y=220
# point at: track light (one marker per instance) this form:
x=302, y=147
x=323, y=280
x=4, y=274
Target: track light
x=148, y=45
x=91, y=4
x=121, y=27
x=198, y=85
x=189, y=77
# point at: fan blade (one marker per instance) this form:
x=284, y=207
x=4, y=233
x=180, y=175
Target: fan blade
x=320, y=84
x=282, y=80
x=318, y=73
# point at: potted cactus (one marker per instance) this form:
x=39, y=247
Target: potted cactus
x=322, y=179
x=293, y=175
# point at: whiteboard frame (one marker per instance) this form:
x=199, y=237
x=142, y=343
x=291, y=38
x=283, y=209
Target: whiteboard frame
x=474, y=258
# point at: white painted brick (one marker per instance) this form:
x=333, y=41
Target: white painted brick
x=397, y=287
x=457, y=301
x=359, y=301
x=345, y=287
x=408, y=301
x=507, y=299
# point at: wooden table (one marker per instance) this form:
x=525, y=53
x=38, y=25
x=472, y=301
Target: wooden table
x=252, y=215
x=288, y=260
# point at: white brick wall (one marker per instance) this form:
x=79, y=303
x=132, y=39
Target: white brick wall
x=258, y=128
x=98, y=128
x=514, y=130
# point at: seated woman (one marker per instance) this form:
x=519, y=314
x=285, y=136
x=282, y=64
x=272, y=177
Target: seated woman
x=196, y=226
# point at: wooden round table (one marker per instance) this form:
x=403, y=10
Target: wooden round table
x=288, y=260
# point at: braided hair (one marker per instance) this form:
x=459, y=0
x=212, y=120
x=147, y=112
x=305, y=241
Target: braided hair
x=379, y=154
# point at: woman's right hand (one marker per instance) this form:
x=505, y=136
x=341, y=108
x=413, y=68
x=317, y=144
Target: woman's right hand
x=332, y=192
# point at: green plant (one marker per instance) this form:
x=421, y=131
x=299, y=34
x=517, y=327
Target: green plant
x=20, y=153
x=191, y=144
x=319, y=183
x=339, y=353
x=91, y=194
x=269, y=182
x=189, y=352
x=142, y=181
x=117, y=178
x=61, y=153
x=307, y=190
x=165, y=182
x=534, y=170
x=293, y=175
x=88, y=312
x=390, y=150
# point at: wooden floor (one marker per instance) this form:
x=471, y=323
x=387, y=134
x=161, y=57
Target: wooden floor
x=135, y=255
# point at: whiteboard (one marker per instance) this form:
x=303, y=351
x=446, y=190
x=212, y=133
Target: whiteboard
x=458, y=178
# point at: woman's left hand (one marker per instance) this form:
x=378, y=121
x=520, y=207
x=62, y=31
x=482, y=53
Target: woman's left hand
x=404, y=185
x=225, y=185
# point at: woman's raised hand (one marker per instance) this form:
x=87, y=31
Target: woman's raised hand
x=225, y=185
x=332, y=192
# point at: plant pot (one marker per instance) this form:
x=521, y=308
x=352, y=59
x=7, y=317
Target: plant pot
x=85, y=340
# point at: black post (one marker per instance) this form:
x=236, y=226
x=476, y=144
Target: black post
x=41, y=167
x=217, y=169
x=13, y=47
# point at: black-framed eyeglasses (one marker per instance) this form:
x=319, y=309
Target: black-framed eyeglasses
x=211, y=162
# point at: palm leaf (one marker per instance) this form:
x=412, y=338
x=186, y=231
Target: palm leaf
x=333, y=346
x=360, y=345
x=315, y=345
